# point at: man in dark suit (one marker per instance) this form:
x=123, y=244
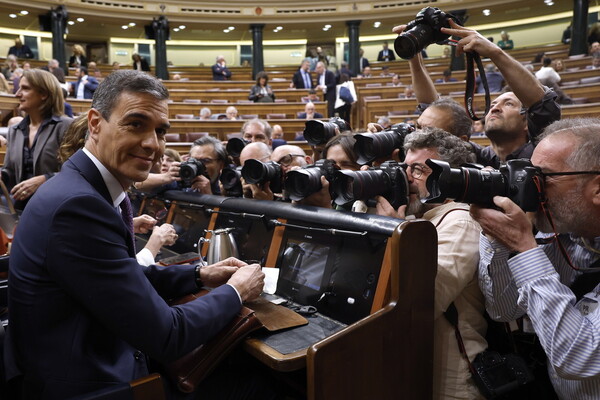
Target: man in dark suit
x=309, y=112
x=326, y=83
x=20, y=50
x=386, y=54
x=84, y=313
x=85, y=86
x=302, y=78
x=54, y=67
x=220, y=70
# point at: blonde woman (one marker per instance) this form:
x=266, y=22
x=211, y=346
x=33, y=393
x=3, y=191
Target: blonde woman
x=78, y=58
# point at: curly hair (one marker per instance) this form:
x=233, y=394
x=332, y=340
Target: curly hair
x=449, y=147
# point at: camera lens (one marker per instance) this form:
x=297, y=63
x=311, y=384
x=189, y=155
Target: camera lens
x=411, y=42
x=230, y=178
x=301, y=183
x=188, y=171
x=257, y=172
x=317, y=132
x=235, y=146
x=357, y=185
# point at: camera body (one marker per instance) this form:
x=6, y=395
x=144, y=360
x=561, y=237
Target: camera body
x=388, y=180
x=301, y=183
x=190, y=169
x=235, y=146
x=317, y=132
x=258, y=172
x=424, y=30
x=371, y=146
x=518, y=180
x=231, y=179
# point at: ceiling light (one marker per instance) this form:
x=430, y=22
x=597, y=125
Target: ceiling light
x=80, y=19
x=325, y=29
x=275, y=30
x=71, y=22
x=279, y=27
x=226, y=30
x=181, y=26
x=12, y=15
x=132, y=24
x=486, y=12
x=125, y=26
x=24, y=12
x=376, y=24
x=327, y=26
x=231, y=28
x=175, y=29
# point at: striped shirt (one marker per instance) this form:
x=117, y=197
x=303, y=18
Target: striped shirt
x=536, y=283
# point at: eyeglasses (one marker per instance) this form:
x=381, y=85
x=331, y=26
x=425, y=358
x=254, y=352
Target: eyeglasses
x=207, y=160
x=545, y=174
x=417, y=170
x=287, y=159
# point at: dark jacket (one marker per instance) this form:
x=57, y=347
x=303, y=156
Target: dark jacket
x=220, y=73
x=298, y=80
x=21, y=52
x=255, y=94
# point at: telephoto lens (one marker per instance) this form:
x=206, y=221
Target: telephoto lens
x=371, y=146
x=301, y=183
x=317, y=132
x=235, y=146
x=258, y=172
x=231, y=179
x=190, y=169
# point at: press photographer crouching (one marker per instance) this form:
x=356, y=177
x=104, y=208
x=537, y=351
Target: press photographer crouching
x=317, y=133
x=456, y=279
x=549, y=280
x=200, y=172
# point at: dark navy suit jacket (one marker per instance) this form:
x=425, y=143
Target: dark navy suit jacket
x=89, y=88
x=83, y=312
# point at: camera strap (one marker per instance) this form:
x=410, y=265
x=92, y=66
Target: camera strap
x=472, y=59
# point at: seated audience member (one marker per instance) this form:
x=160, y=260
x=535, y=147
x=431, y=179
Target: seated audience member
x=312, y=96
x=10, y=65
x=26, y=66
x=366, y=73
x=384, y=122
x=262, y=92
x=231, y=113
x=16, y=79
x=309, y=112
x=594, y=47
x=220, y=71
x=456, y=279
x=478, y=128
x=558, y=65
x=20, y=50
x=54, y=67
x=4, y=89
x=94, y=70
x=257, y=130
x=514, y=117
x=262, y=152
x=495, y=80
x=546, y=74
x=205, y=113
x=302, y=79
x=116, y=66
x=447, y=77
x=446, y=52
x=545, y=281
x=395, y=81
x=140, y=63
x=595, y=61
x=176, y=77
x=85, y=86
x=277, y=136
x=84, y=314
x=409, y=92
x=385, y=72
x=505, y=43
x=386, y=54
x=211, y=152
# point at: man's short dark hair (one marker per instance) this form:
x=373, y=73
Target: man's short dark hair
x=449, y=147
x=108, y=92
x=83, y=69
x=547, y=61
x=462, y=123
x=216, y=144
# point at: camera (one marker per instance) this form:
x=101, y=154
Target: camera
x=231, y=180
x=301, y=183
x=518, y=180
x=235, y=146
x=388, y=180
x=371, y=146
x=317, y=132
x=424, y=30
x=258, y=172
x=190, y=169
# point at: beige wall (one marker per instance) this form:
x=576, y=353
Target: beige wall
x=207, y=55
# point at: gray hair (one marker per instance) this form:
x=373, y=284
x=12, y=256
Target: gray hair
x=587, y=133
x=449, y=147
x=264, y=125
x=461, y=122
x=205, y=112
x=132, y=81
x=215, y=143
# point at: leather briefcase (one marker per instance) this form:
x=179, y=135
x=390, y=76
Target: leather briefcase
x=194, y=367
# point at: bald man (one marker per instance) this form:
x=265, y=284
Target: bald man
x=262, y=152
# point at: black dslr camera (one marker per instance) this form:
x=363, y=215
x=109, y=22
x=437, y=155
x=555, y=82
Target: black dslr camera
x=231, y=180
x=190, y=169
x=388, y=180
x=301, y=183
x=424, y=30
x=258, y=172
x=518, y=180
x=371, y=146
x=235, y=146
x=317, y=132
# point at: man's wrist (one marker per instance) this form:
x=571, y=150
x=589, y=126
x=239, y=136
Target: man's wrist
x=198, y=276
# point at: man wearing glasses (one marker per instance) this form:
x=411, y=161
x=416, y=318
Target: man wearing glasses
x=289, y=156
x=456, y=279
x=551, y=282
x=211, y=152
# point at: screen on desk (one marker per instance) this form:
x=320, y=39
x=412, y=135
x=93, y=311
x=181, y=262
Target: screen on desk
x=336, y=274
x=189, y=221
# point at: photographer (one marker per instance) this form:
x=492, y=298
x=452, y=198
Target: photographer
x=456, y=279
x=261, y=152
x=211, y=153
x=514, y=117
x=519, y=276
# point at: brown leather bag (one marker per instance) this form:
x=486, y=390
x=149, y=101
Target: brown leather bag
x=191, y=369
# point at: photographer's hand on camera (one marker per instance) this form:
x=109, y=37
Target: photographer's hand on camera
x=384, y=208
x=509, y=225
x=259, y=192
x=322, y=198
x=201, y=184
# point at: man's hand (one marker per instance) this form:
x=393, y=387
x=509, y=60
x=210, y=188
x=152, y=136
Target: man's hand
x=143, y=224
x=373, y=127
x=163, y=235
x=219, y=273
x=249, y=281
x=262, y=192
x=27, y=188
x=173, y=173
x=201, y=184
x=471, y=41
x=384, y=208
x=510, y=226
x=322, y=198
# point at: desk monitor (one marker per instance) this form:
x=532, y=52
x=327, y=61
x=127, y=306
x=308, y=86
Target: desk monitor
x=190, y=221
x=251, y=232
x=336, y=274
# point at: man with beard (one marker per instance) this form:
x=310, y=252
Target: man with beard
x=456, y=279
x=548, y=281
x=212, y=154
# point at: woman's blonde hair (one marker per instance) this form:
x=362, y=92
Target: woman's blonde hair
x=46, y=84
x=78, y=50
x=74, y=138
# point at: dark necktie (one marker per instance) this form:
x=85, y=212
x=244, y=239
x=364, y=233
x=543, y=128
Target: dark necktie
x=127, y=215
